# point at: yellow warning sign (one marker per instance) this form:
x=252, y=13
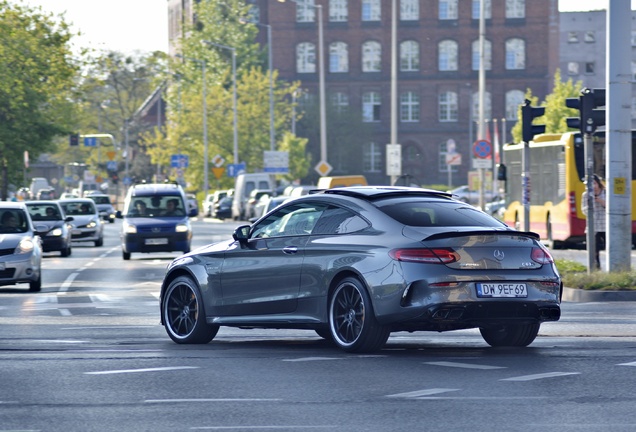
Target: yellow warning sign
x=218, y=171
x=111, y=155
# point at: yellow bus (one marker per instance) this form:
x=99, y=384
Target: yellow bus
x=557, y=174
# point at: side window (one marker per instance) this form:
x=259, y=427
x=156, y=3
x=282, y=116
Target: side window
x=336, y=220
x=293, y=220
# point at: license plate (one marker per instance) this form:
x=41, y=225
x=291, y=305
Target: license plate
x=156, y=241
x=502, y=290
x=75, y=232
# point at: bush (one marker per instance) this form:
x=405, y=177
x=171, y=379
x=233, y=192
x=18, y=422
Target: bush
x=575, y=275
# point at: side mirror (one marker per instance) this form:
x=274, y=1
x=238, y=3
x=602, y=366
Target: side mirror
x=501, y=172
x=69, y=219
x=193, y=212
x=241, y=234
x=118, y=214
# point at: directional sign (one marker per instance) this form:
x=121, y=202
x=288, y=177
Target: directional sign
x=90, y=142
x=482, y=149
x=179, y=161
x=111, y=166
x=235, y=169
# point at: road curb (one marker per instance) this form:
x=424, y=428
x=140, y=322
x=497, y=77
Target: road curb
x=580, y=295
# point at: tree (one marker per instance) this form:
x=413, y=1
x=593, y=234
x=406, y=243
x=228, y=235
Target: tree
x=37, y=81
x=299, y=160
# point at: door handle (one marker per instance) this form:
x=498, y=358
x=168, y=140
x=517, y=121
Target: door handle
x=290, y=250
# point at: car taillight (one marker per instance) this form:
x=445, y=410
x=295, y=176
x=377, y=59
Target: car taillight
x=429, y=256
x=541, y=255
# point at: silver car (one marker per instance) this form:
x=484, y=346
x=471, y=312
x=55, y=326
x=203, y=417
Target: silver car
x=86, y=225
x=355, y=264
x=20, y=247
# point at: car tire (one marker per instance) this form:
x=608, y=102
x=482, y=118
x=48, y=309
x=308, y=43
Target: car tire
x=65, y=252
x=125, y=256
x=510, y=335
x=99, y=242
x=183, y=313
x=36, y=285
x=324, y=333
x=352, y=321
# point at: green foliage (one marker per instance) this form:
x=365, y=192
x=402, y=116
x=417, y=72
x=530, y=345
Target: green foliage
x=575, y=275
x=37, y=74
x=299, y=160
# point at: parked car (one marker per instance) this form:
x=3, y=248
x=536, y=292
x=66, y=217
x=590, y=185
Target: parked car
x=51, y=225
x=496, y=208
x=357, y=263
x=253, y=199
x=21, y=259
x=86, y=225
x=268, y=203
x=67, y=195
x=223, y=209
x=104, y=206
x=465, y=194
x=45, y=194
x=155, y=219
x=211, y=200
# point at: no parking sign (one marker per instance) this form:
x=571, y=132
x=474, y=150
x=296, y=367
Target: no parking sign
x=482, y=149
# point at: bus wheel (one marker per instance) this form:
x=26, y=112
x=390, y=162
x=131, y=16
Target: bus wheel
x=551, y=243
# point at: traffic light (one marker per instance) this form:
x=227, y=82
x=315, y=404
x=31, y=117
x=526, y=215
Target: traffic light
x=529, y=113
x=74, y=139
x=591, y=105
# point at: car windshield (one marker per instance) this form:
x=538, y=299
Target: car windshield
x=421, y=213
x=100, y=199
x=78, y=208
x=156, y=206
x=13, y=221
x=44, y=212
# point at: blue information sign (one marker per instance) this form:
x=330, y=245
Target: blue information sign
x=234, y=169
x=90, y=142
x=179, y=161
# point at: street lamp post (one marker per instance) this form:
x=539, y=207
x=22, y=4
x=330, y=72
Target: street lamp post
x=233, y=50
x=321, y=80
x=205, y=124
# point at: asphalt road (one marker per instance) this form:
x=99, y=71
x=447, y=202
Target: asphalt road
x=88, y=354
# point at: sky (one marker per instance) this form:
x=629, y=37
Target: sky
x=142, y=25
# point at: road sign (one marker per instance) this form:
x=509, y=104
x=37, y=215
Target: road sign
x=234, y=169
x=393, y=159
x=482, y=149
x=111, y=155
x=323, y=168
x=179, y=161
x=453, y=158
x=218, y=160
x=111, y=166
x=276, y=162
x=218, y=172
x=90, y=142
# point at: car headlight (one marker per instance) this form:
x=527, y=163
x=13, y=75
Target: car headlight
x=25, y=246
x=182, y=228
x=91, y=224
x=55, y=233
x=130, y=228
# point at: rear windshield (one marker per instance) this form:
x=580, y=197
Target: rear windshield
x=420, y=213
x=78, y=208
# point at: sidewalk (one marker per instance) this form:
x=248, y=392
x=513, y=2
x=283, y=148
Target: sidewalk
x=579, y=295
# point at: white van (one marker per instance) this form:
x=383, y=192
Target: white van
x=246, y=183
x=37, y=184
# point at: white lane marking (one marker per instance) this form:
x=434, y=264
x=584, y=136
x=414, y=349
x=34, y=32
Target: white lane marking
x=419, y=393
x=313, y=359
x=211, y=400
x=60, y=341
x=482, y=397
x=161, y=369
x=67, y=283
x=540, y=376
x=627, y=364
x=272, y=427
x=465, y=365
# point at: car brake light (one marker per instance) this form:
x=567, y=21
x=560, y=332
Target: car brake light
x=430, y=256
x=541, y=255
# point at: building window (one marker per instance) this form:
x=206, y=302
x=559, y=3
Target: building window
x=338, y=57
x=515, y=8
x=573, y=68
x=409, y=10
x=590, y=36
x=371, y=107
x=371, y=55
x=448, y=9
x=590, y=67
x=409, y=107
x=372, y=157
x=306, y=12
x=515, y=54
x=487, y=55
x=306, y=100
x=487, y=9
x=448, y=107
x=514, y=98
x=338, y=11
x=306, y=57
x=448, y=55
x=409, y=56
x=487, y=106
x=371, y=10
x=573, y=37
x=340, y=102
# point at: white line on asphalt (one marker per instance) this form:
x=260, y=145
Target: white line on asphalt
x=540, y=376
x=419, y=393
x=272, y=427
x=67, y=283
x=140, y=370
x=481, y=397
x=464, y=365
x=302, y=359
x=627, y=364
x=211, y=400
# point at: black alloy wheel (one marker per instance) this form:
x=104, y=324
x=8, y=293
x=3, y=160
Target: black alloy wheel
x=184, y=315
x=352, y=322
x=510, y=335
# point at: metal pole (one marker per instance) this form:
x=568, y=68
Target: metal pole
x=206, y=183
x=272, y=138
x=590, y=239
x=127, y=150
x=394, y=139
x=482, y=90
x=236, y=155
x=321, y=71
